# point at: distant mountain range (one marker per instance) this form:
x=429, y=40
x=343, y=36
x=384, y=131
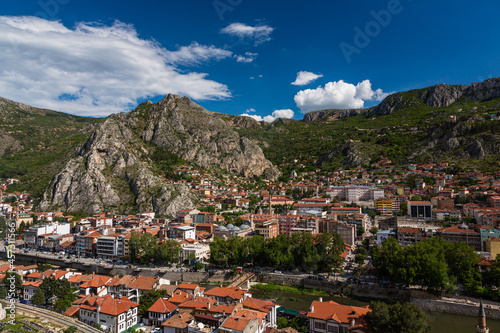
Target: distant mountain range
x=73, y=163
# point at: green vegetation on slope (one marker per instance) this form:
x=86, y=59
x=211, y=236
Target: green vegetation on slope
x=395, y=136
x=43, y=141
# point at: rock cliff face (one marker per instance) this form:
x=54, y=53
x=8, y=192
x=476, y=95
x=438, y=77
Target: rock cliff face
x=444, y=95
x=113, y=171
x=108, y=174
x=331, y=114
x=202, y=137
x=350, y=153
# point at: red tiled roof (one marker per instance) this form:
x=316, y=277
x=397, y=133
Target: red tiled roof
x=234, y=293
x=71, y=311
x=179, y=320
x=108, y=304
x=144, y=283
x=188, y=286
x=237, y=324
x=180, y=296
x=258, y=304
x=337, y=312
x=162, y=306
x=95, y=282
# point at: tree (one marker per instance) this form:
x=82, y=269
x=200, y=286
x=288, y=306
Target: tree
x=373, y=230
x=3, y=292
x=359, y=258
x=330, y=247
x=396, y=318
x=360, y=231
x=282, y=322
x=148, y=299
x=38, y=298
x=62, y=304
x=57, y=292
x=18, y=281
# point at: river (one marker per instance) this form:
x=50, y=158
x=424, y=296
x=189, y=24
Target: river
x=440, y=322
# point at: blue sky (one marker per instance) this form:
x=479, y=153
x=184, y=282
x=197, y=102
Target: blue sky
x=239, y=56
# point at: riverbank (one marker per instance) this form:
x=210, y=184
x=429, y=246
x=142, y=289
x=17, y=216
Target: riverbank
x=440, y=320
x=281, y=283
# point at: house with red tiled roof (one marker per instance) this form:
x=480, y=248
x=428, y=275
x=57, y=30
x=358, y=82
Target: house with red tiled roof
x=96, y=286
x=140, y=285
x=118, y=287
x=240, y=325
x=179, y=297
x=268, y=307
x=30, y=288
x=178, y=323
x=226, y=295
x=191, y=288
x=77, y=280
x=198, y=305
x=23, y=270
x=113, y=315
x=336, y=318
x=160, y=311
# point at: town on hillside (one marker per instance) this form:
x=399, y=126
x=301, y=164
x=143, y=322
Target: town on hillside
x=334, y=226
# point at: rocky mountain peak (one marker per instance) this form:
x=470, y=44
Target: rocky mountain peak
x=115, y=157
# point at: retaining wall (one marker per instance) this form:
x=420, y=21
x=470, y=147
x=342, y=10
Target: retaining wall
x=455, y=308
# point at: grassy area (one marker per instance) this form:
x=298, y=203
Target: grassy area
x=289, y=289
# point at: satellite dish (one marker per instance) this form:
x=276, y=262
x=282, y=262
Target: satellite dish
x=201, y=326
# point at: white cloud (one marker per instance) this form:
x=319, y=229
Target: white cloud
x=258, y=34
x=304, y=78
x=94, y=69
x=337, y=95
x=285, y=113
x=247, y=58
x=250, y=110
x=195, y=54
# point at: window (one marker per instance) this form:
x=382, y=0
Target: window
x=320, y=326
x=333, y=329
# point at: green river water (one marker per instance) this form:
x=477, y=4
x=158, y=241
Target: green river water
x=441, y=322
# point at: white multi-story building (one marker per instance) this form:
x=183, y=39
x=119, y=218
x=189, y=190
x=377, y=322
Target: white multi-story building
x=31, y=236
x=196, y=251
x=183, y=232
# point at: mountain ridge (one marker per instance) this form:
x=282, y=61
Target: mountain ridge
x=118, y=156
x=116, y=162
x=440, y=95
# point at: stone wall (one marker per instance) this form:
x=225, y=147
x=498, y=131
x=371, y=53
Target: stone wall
x=455, y=308
x=279, y=279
